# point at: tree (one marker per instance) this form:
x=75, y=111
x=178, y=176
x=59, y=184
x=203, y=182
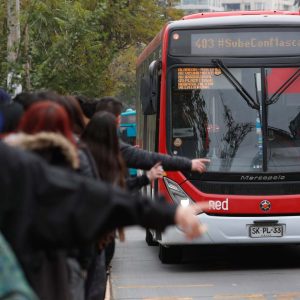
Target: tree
x=73, y=43
x=3, y=43
x=122, y=75
x=121, y=80
x=171, y=13
x=82, y=46
x=13, y=41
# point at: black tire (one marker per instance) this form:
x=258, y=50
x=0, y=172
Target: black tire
x=170, y=255
x=149, y=239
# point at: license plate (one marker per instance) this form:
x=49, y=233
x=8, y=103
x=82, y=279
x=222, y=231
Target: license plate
x=263, y=231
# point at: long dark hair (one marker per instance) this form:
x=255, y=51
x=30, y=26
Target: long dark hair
x=101, y=137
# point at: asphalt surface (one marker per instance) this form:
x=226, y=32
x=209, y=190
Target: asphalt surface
x=239, y=273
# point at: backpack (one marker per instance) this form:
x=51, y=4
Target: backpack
x=13, y=285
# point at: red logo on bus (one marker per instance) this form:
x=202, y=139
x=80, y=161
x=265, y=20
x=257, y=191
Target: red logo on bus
x=265, y=205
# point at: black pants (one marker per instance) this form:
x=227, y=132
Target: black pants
x=95, y=284
x=109, y=253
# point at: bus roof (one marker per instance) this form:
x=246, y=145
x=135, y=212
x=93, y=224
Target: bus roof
x=238, y=13
x=220, y=19
x=128, y=112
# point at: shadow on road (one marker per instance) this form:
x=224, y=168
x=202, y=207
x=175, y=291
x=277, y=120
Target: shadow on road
x=240, y=257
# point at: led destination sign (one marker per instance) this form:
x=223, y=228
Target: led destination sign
x=264, y=43
x=235, y=43
x=196, y=78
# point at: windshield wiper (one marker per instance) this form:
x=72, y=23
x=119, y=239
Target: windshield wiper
x=283, y=87
x=240, y=89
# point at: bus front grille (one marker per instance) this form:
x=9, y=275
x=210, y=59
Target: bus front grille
x=246, y=188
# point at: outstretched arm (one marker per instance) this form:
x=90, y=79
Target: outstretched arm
x=63, y=209
x=141, y=159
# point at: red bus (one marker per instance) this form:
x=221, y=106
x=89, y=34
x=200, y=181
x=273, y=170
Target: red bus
x=226, y=86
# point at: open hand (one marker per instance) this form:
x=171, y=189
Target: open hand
x=198, y=164
x=155, y=172
x=186, y=219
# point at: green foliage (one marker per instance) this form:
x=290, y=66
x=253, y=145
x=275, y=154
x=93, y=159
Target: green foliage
x=121, y=77
x=84, y=46
x=3, y=43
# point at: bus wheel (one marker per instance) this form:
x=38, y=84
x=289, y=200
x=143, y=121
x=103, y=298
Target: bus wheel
x=170, y=255
x=149, y=239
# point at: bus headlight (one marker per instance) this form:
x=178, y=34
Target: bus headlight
x=177, y=194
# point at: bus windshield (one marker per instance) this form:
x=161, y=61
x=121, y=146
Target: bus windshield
x=217, y=113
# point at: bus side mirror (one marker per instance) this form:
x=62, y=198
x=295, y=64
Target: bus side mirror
x=150, y=89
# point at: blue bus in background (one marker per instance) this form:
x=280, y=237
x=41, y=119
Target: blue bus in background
x=128, y=130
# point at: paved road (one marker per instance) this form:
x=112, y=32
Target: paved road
x=254, y=273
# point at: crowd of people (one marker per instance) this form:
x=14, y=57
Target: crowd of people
x=66, y=194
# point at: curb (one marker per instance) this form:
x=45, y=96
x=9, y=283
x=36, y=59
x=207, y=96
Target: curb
x=108, y=292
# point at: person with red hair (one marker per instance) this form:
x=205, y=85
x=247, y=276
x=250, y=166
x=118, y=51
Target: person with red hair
x=47, y=116
x=46, y=129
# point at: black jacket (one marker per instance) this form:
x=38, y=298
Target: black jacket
x=50, y=275
x=42, y=206
x=134, y=184
x=141, y=159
